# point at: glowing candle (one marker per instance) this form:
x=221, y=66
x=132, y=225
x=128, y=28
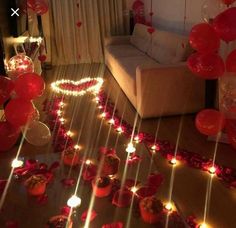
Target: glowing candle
x=62, y=120
x=100, y=107
x=69, y=133
x=169, y=207
x=88, y=162
x=16, y=163
x=173, y=161
x=134, y=189
x=119, y=129
x=136, y=139
x=212, y=170
x=103, y=115
x=203, y=225
x=130, y=148
x=74, y=201
x=59, y=112
x=76, y=147
x=61, y=104
x=111, y=121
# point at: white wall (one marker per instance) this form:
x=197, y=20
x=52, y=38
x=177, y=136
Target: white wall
x=169, y=15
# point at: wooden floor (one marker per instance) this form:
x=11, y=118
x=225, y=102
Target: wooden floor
x=190, y=185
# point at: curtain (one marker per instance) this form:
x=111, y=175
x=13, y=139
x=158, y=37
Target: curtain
x=73, y=44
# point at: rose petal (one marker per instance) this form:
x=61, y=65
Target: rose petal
x=12, y=224
x=54, y=165
x=146, y=191
x=66, y=210
x=122, y=198
x=129, y=183
x=155, y=180
x=85, y=214
x=68, y=182
x=43, y=199
x=113, y=225
x=89, y=172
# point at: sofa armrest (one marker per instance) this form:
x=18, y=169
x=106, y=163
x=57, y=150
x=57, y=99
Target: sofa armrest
x=168, y=90
x=117, y=40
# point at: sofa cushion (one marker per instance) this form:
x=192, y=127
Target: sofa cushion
x=123, y=50
x=168, y=48
x=141, y=38
x=129, y=64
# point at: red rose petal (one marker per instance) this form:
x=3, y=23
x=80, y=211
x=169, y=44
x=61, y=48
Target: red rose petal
x=43, y=199
x=129, y=183
x=54, y=165
x=68, y=182
x=12, y=224
x=85, y=214
x=155, y=180
x=113, y=225
x=89, y=172
x=122, y=198
x=146, y=191
x=66, y=210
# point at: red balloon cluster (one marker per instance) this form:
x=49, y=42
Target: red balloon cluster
x=205, y=39
x=40, y=7
x=19, y=110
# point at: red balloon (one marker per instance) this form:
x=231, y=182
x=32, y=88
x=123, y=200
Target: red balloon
x=6, y=87
x=207, y=66
x=19, y=111
x=228, y=2
x=8, y=136
x=231, y=62
x=29, y=86
x=41, y=7
x=209, y=122
x=225, y=24
x=231, y=131
x=204, y=39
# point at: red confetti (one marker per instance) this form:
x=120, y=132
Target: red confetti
x=85, y=214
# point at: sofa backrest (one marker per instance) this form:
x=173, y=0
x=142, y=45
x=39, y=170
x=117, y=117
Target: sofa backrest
x=165, y=47
x=140, y=38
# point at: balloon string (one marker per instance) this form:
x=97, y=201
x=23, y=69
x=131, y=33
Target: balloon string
x=151, y=13
x=185, y=14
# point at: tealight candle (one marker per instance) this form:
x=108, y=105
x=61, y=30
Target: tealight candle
x=59, y=112
x=69, y=133
x=62, y=120
x=136, y=139
x=134, y=189
x=111, y=121
x=169, y=207
x=76, y=147
x=88, y=162
x=154, y=147
x=100, y=107
x=103, y=115
x=16, y=163
x=130, y=148
x=61, y=104
x=173, y=161
x=203, y=225
x=212, y=170
x=119, y=129
x=74, y=201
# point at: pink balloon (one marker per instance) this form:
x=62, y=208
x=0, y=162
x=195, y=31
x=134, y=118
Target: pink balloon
x=231, y=62
x=225, y=24
x=207, y=66
x=204, y=39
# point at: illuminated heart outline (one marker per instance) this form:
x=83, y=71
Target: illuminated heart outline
x=86, y=84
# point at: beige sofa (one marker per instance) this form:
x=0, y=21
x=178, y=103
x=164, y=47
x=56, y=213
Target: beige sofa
x=152, y=72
